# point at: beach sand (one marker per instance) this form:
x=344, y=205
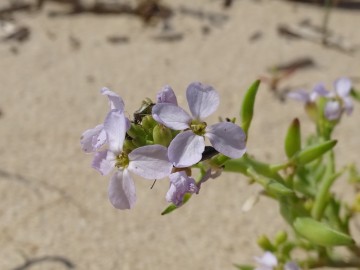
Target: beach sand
x=55, y=206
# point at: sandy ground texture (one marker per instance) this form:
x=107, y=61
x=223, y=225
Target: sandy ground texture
x=55, y=207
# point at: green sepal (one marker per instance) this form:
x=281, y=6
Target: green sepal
x=313, y=152
x=321, y=234
x=247, y=109
x=244, y=267
x=293, y=138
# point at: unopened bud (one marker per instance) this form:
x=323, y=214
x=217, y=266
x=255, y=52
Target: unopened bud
x=264, y=242
x=148, y=122
x=280, y=238
x=162, y=135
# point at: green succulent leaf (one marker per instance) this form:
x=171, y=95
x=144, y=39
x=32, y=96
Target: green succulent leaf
x=247, y=109
x=321, y=234
x=293, y=139
x=313, y=152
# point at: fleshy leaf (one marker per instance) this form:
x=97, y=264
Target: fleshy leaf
x=293, y=139
x=247, y=109
x=321, y=234
x=313, y=152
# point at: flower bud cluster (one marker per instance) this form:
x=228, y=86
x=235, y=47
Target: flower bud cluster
x=332, y=105
x=162, y=140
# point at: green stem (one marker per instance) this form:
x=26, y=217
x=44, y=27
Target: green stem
x=324, y=188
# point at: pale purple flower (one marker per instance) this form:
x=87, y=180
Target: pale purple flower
x=267, y=262
x=340, y=100
x=180, y=184
x=291, y=266
x=93, y=139
x=150, y=162
x=187, y=147
x=306, y=97
x=166, y=95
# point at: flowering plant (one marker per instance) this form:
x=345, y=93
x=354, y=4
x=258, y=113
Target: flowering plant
x=162, y=140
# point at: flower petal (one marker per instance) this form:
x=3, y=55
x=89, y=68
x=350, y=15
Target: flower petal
x=332, y=110
x=115, y=100
x=186, y=149
x=267, y=261
x=342, y=87
x=150, y=162
x=348, y=105
x=203, y=99
x=121, y=191
x=180, y=184
x=166, y=95
x=103, y=162
x=291, y=266
x=227, y=138
x=115, y=128
x=171, y=116
x=300, y=95
x=320, y=90
x=92, y=139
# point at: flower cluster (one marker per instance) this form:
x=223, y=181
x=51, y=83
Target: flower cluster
x=162, y=140
x=337, y=101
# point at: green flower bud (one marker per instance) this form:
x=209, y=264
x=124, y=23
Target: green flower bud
x=280, y=238
x=136, y=132
x=293, y=139
x=264, y=242
x=321, y=234
x=148, y=123
x=162, y=135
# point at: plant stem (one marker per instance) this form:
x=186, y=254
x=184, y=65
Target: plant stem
x=324, y=188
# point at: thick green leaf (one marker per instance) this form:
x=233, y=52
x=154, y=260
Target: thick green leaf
x=321, y=234
x=293, y=139
x=247, y=109
x=313, y=152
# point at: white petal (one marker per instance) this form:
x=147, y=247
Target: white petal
x=332, y=110
x=115, y=100
x=342, y=87
x=92, y=139
x=150, y=162
x=171, y=116
x=115, y=128
x=186, y=149
x=320, y=90
x=227, y=138
x=122, y=190
x=103, y=162
x=348, y=105
x=300, y=95
x=166, y=95
x=203, y=100
x=268, y=260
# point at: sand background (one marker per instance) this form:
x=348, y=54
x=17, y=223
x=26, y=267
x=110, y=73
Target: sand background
x=54, y=204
